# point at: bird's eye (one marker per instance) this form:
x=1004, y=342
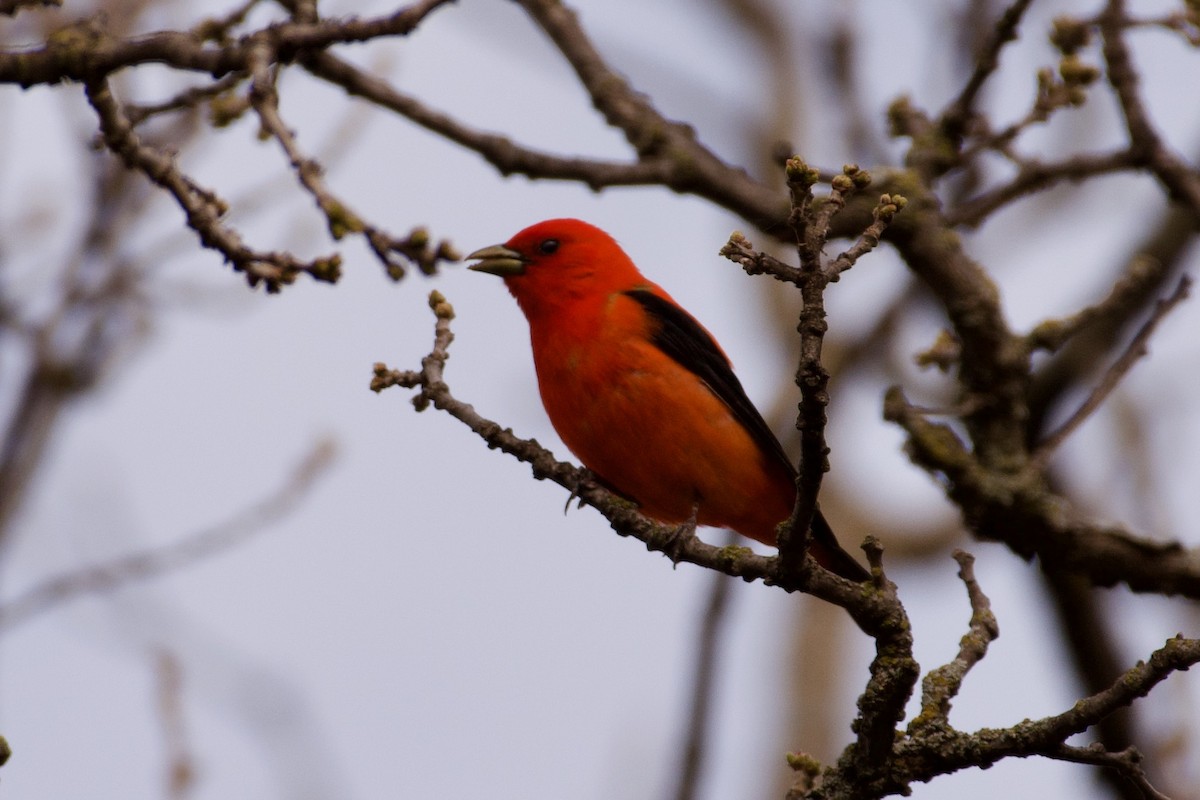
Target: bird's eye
x=548, y=246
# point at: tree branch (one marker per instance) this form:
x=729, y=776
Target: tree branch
x=87, y=53
x=941, y=685
x=878, y=612
x=956, y=117
x=158, y=561
x=1018, y=509
x=340, y=217
x=1136, y=349
x=1180, y=181
x=704, y=685
x=201, y=206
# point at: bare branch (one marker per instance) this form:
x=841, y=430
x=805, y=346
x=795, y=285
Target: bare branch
x=1182, y=182
x=1127, y=764
x=1143, y=273
x=921, y=757
x=187, y=99
x=942, y=685
x=868, y=240
x=506, y=156
x=703, y=686
x=203, y=208
x=958, y=114
x=1018, y=509
x=739, y=562
x=10, y=8
x=740, y=251
x=1136, y=349
x=341, y=218
x=1176, y=655
x=87, y=53
x=181, y=767
x=171, y=557
x=993, y=368
x=1036, y=176
x=690, y=166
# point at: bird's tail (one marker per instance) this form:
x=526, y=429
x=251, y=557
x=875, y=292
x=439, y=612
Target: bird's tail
x=830, y=555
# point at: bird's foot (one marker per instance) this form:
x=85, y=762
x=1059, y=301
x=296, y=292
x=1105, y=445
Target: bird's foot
x=587, y=480
x=680, y=537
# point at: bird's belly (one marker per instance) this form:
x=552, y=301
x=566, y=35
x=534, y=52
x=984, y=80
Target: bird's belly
x=661, y=437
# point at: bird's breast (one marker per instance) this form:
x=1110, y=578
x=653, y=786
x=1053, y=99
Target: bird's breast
x=653, y=429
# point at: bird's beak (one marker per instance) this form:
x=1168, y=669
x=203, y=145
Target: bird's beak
x=498, y=260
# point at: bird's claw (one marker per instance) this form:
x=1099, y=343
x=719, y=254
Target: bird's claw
x=587, y=480
x=679, y=537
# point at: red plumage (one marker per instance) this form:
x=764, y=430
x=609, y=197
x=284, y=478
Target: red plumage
x=642, y=394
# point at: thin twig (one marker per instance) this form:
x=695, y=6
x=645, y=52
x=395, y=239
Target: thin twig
x=508, y=157
x=945, y=750
x=958, y=114
x=1127, y=763
x=1136, y=349
x=64, y=57
x=1176, y=655
x=219, y=28
x=1143, y=273
x=878, y=613
x=1172, y=171
x=340, y=217
x=740, y=251
x=9, y=8
x=706, y=664
x=1035, y=176
x=433, y=391
x=1020, y=511
x=810, y=226
x=170, y=557
x=881, y=216
x=181, y=766
x=202, y=207
x=942, y=685
x=189, y=98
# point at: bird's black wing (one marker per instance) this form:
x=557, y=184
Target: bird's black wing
x=678, y=335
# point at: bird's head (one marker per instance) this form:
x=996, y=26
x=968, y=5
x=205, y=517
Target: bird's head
x=558, y=263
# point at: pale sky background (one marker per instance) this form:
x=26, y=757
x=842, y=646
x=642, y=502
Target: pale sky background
x=428, y=623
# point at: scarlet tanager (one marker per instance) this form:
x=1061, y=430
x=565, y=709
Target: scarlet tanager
x=641, y=392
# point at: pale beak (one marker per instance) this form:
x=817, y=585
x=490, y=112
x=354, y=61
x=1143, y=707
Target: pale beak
x=498, y=260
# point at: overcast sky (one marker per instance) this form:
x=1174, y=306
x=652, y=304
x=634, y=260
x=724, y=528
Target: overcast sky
x=428, y=623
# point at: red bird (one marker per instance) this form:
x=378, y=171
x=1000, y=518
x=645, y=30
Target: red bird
x=641, y=392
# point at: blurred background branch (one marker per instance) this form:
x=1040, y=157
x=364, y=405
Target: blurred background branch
x=1051, y=210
